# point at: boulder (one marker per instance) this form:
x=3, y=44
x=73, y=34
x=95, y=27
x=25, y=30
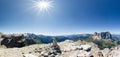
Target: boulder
x=86, y=47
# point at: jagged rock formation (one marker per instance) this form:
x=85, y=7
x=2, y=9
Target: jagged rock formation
x=102, y=35
x=15, y=40
x=55, y=46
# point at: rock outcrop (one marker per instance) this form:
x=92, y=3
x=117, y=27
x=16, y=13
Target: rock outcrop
x=15, y=40
x=114, y=52
x=47, y=51
x=102, y=35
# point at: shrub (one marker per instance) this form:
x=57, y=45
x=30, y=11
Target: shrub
x=89, y=40
x=105, y=44
x=38, y=41
x=101, y=43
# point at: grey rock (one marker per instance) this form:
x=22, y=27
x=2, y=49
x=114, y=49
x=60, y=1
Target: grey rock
x=15, y=40
x=55, y=47
x=102, y=35
x=100, y=54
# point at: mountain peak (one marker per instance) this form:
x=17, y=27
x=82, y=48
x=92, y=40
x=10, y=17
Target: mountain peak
x=102, y=35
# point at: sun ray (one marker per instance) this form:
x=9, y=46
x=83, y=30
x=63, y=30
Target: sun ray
x=42, y=6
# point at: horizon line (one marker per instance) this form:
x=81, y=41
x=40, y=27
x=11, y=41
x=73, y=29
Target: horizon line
x=51, y=34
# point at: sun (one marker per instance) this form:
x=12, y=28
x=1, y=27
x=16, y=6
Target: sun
x=43, y=5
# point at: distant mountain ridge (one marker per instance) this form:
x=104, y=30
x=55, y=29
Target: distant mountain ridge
x=116, y=36
x=48, y=39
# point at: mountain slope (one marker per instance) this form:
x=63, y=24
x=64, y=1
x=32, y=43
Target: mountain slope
x=48, y=39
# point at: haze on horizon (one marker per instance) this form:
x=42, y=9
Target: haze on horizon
x=67, y=17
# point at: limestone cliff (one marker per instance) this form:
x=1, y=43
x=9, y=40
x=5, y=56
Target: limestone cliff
x=102, y=35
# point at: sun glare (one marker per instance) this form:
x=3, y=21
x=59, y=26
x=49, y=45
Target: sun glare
x=43, y=5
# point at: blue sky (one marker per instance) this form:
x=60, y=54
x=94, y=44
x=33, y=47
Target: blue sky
x=67, y=17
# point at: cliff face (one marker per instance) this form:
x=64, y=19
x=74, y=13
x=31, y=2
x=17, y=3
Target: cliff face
x=102, y=35
x=15, y=40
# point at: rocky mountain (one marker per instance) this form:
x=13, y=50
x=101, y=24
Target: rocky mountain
x=66, y=48
x=102, y=35
x=58, y=46
x=45, y=39
x=48, y=39
x=20, y=40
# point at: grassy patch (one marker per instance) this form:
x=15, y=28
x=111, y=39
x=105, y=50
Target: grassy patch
x=37, y=41
x=101, y=43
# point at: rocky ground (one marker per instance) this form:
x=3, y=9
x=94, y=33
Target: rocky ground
x=67, y=48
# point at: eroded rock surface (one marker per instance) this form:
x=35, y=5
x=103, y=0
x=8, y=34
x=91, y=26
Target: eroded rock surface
x=67, y=48
x=15, y=40
x=102, y=35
